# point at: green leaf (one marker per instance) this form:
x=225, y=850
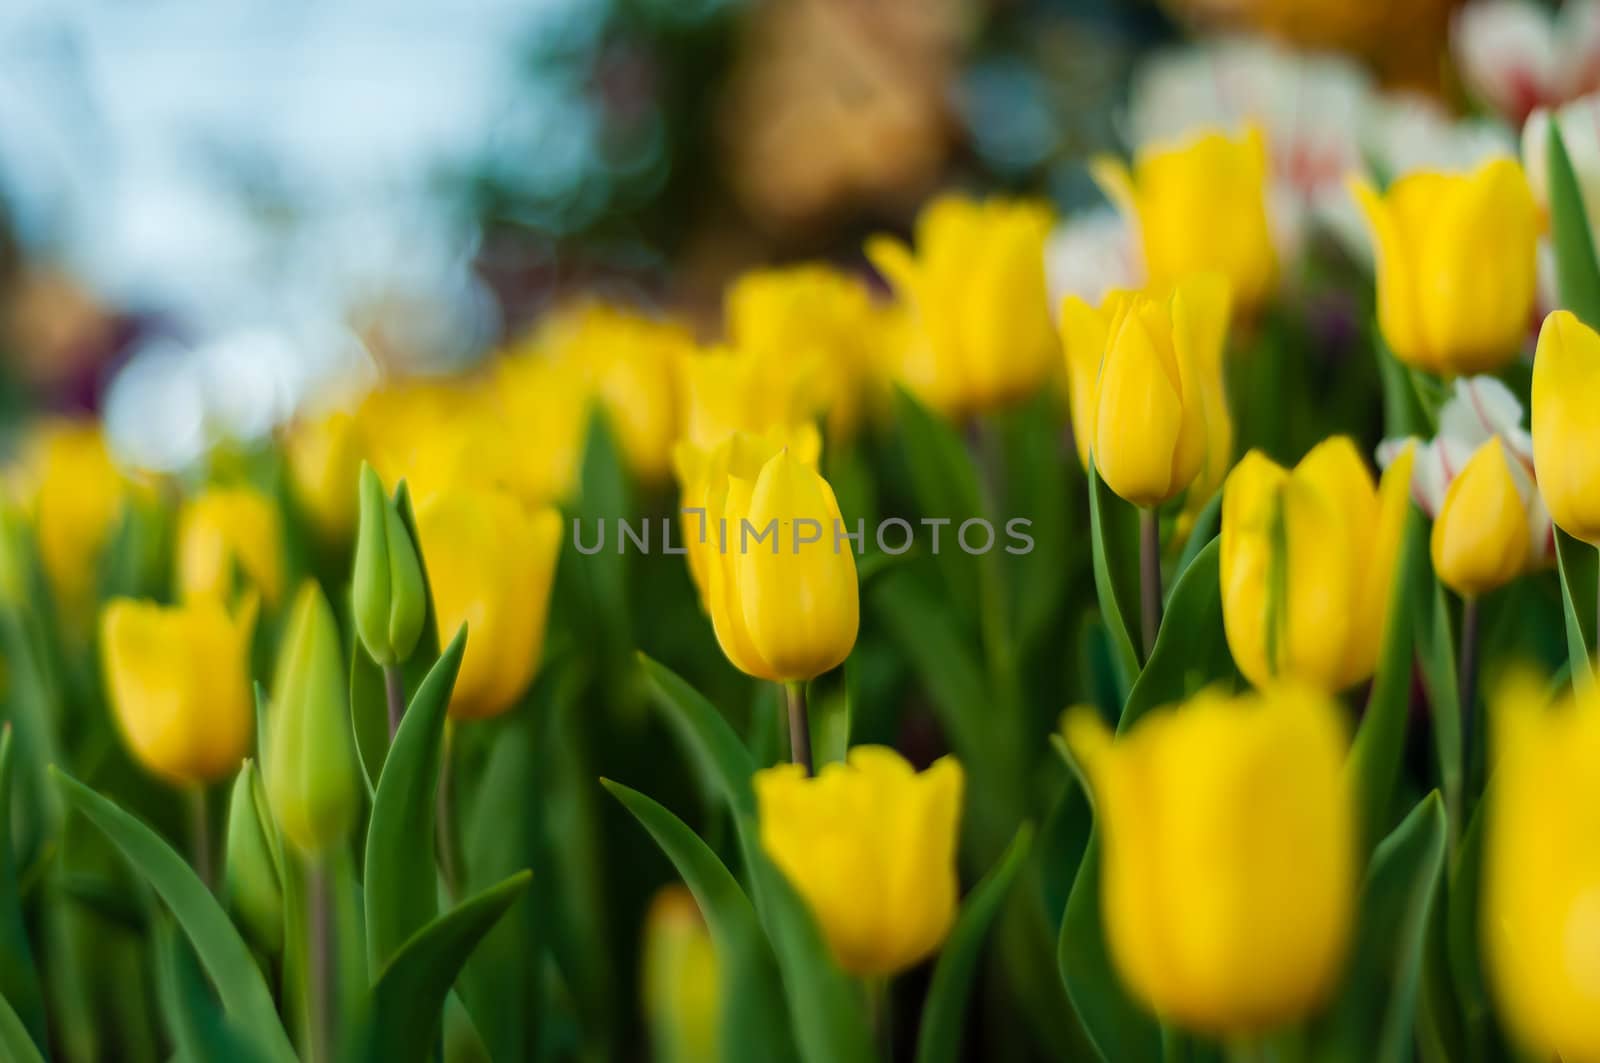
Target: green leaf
x=944, y=1011
x=1373, y=1017
x=222, y=951
x=15, y=1043
x=1576, y=270
x=1437, y=655
x=1191, y=650
x=945, y=486
x=1576, y=561
x=194, y=1019
x=707, y=733
x=19, y=978
x=369, y=703
x=1379, y=744
x=400, y=874
x=409, y=998
x=1207, y=526
x=604, y=498
x=755, y=1020
x=1040, y=484
x=1462, y=950
x=1114, y=537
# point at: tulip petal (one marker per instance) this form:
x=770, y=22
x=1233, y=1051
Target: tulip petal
x=1566, y=433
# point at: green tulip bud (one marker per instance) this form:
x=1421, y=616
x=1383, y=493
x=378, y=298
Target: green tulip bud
x=311, y=769
x=251, y=884
x=389, y=597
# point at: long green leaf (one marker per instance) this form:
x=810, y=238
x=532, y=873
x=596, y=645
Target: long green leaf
x=409, y=998
x=1576, y=562
x=1207, y=525
x=1376, y=753
x=1437, y=655
x=707, y=734
x=1114, y=539
x=222, y=951
x=401, y=884
x=1191, y=650
x=15, y=1042
x=755, y=1021
x=19, y=978
x=1374, y=1015
x=1577, y=273
x=945, y=486
x=194, y=1019
x=944, y=1012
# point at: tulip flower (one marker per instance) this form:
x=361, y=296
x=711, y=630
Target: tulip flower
x=323, y=456
x=1308, y=559
x=1145, y=380
x=1200, y=206
x=870, y=846
x=252, y=883
x=976, y=288
x=1566, y=435
x=227, y=533
x=1229, y=868
x=66, y=481
x=1540, y=933
x=726, y=391
x=178, y=681
x=1457, y=270
x=389, y=598
x=1480, y=538
x=682, y=991
x=310, y=764
x=491, y=562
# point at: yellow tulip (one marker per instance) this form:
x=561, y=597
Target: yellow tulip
x=1200, y=206
x=1457, y=273
x=1229, y=874
x=491, y=562
x=1308, y=559
x=1540, y=928
x=310, y=767
x=822, y=326
x=178, y=680
x=870, y=846
x=1480, y=537
x=66, y=480
x=226, y=532
x=531, y=438
x=726, y=391
x=682, y=991
x=1145, y=380
x=323, y=455
x=976, y=287
x=774, y=570
x=1566, y=436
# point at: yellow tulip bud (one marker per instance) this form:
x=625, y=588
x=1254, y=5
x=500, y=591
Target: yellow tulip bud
x=387, y=592
x=323, y=456
x=251, y=885
x=1540, y=928
x=491, y=563
x=1200, y=206
x=227, y=533
x=682, y=991
x=66, y=480
x=1308, y=559
x=870, y=846
x=310, y=764
x=976, y=287
x=1145, y=380
x=1457, y=273
x=1566, y=436
x=1480, y=537
x=178, y=680
x=1228, y=882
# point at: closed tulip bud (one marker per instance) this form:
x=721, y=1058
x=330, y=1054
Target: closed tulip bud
x=1457, y=271
x=976, y=287
x=1307, y=563
x=1480, y=538
x=491, y=563
x=229, y=534
x=1540, y=931
x=252, y=885
x=870, y=846
x=310, y=765
x=682, y=991
x=387, y=589
x=1200, y=206
x=323, y=455
x=1566, y=435
x=1145, y=380
x=1228, y=883
x=178, y=681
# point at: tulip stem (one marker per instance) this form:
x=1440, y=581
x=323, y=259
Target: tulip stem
x=1149, y=576
x=1468, y=690
x=320, y=973
x=799, y=725
x=200, y=834
x=394, y=690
